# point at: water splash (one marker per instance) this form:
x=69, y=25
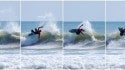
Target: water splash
x=11, y=27
x=88, y=28
x=49, y=23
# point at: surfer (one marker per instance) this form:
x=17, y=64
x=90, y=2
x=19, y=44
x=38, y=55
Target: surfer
x=79, y=30
x=122, y=31
x=37, y=31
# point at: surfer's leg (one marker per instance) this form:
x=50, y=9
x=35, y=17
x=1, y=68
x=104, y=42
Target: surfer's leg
x=39, y=35
x=32, y=31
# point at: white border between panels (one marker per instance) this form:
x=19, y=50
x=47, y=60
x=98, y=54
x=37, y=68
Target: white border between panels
x=105, y=37
x=62, y=33
x=20, y=38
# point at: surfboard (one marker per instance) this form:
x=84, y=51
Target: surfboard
x=73, y=30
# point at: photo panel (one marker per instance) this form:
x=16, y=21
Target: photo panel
x=9, y=35
x=84, y=35
x=41, y=34
x=115, y=42
x=62, y=35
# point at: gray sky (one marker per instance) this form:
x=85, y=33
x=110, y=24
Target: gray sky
x=87, y=10
x=73, y=11
x=32, y=10
x=115, y=11
x=9, y=11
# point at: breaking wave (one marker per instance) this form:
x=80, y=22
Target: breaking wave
x=50, y=34
x=88, y=40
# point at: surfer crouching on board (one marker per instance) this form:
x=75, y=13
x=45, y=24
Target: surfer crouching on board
x=122, y=31
x=37, y=31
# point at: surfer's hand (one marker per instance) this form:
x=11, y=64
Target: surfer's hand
x=41, y=27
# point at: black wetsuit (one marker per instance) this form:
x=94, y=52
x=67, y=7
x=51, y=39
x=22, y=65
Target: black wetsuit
x=122, y=31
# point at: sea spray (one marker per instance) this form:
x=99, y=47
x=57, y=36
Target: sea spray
x=49, y=23
x=88, y=29
x=11, y=27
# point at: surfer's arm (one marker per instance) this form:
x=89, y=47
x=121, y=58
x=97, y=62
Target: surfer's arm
x=80, y=26
x=40, y=27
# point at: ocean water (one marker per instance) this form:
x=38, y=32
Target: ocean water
x=85, y=52
x=9, y=45
x=115, y=49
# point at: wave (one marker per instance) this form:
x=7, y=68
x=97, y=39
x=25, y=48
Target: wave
x=84, y=42
x=6, y=38
x=78, y=38
x=115, y=41
x=88, y=40
x=9, y=35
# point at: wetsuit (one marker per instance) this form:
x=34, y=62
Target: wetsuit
x=79, y=30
